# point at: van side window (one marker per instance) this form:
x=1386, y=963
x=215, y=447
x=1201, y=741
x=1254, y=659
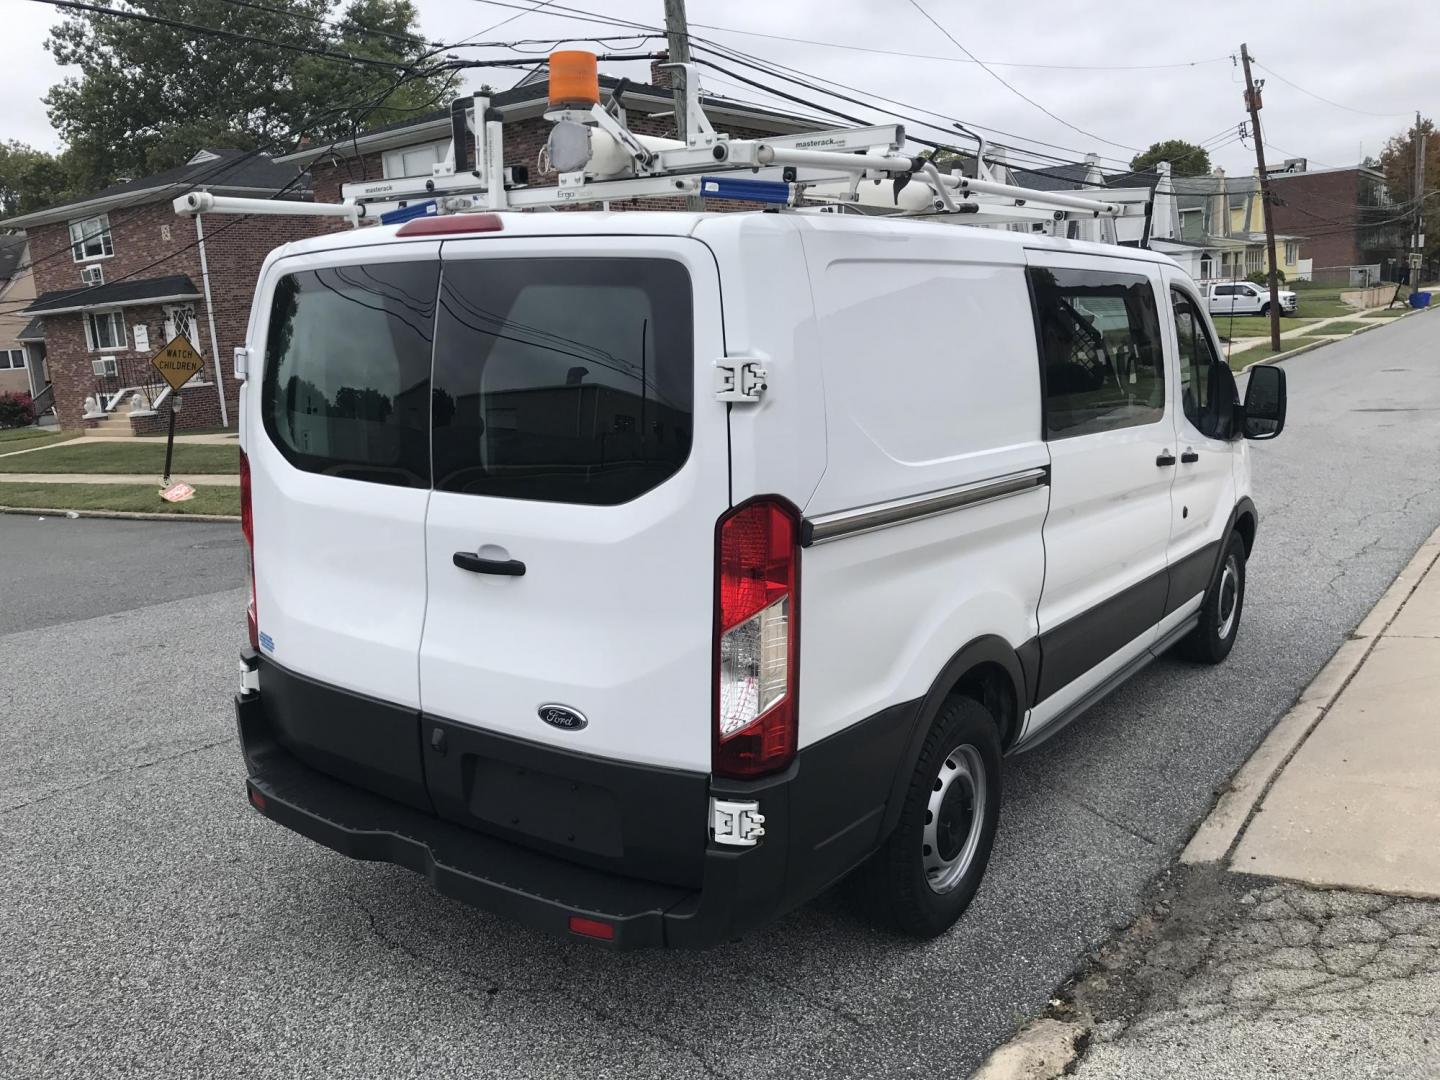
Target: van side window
x=346, y=390
x=1207, y=389
x=563, y=379
x=1100, y=349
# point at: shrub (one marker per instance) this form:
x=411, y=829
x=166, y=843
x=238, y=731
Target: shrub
x=16, y=410
x=1259, y=277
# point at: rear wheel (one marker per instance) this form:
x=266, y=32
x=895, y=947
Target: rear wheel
x=1211, y=641
x=925, y=875
x=1265, y=309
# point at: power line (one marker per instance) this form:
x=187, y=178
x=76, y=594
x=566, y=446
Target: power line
x=777, y=70
x=213, y=31
x=1327, y=101
x=1018, y=93
x=580, y=14
x=183, y=187
x=324, y=24
x=956, y=59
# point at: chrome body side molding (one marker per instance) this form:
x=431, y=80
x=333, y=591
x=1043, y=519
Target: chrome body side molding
x=863, y=519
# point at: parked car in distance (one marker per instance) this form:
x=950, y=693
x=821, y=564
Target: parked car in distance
x=639, y=576
x=1246, y=298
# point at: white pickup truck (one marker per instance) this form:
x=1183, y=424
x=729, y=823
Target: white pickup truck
x=1245, y=298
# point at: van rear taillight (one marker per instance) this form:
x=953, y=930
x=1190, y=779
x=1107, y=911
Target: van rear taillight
x=247, y=526
x=757, y=640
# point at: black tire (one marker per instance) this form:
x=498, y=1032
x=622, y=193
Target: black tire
x=1211, y=641
x=895, y=887
x=1264, y=310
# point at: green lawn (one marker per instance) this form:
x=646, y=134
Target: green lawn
x=134, y=498
x=1263, y=352
x=126, y=457
x=27, y=438
x=1253, y=326
x=1344, y=327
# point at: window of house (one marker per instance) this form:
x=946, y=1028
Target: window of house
x=1207, y=267
x=1292, y=252
x=104, y=330
x=90, y=238
x=414, y=160
x=12, y=358
x=1207, y=389
x=1103, y=366
x=1254, y=260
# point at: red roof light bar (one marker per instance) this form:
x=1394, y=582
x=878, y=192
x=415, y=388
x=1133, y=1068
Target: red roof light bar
x=448, y=224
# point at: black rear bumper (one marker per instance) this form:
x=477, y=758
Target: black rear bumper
x=823, y=816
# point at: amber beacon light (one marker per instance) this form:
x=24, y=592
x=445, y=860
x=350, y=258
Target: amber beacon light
x=574, y=79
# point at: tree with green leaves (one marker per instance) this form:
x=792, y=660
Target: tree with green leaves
x=1185, y=158
x=1397, y=161
x=31, y=179
x=149, y=95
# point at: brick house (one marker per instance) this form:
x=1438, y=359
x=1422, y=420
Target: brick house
x=409, y=148
x=117, y=274
x=1346, y=216
x=17, y=289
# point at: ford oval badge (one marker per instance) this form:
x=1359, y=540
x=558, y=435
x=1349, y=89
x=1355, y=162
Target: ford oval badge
x=563, y=717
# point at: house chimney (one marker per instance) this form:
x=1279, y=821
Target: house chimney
x=659, y=76
x=1219, y=205
x=1164, y=214
x=1093, y=176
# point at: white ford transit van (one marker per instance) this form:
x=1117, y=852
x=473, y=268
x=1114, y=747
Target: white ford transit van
x=637, y=576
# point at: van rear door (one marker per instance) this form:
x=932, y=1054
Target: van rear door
x=336, y=434
x=581, y=464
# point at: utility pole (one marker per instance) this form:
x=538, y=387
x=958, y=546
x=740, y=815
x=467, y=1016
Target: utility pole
x=1253, y=103
x=677, y=31
x=1418, y=239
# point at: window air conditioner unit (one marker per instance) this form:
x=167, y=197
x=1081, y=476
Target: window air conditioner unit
x=105, y=367
x=92, y=275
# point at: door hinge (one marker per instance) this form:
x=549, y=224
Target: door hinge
x=739, y=380
x=738, y=824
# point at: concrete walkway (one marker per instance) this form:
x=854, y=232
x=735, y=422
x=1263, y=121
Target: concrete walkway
x=1240, y=343
x=1358, y=806
x=1300, y=934
x=193, y=479
x=214, y=439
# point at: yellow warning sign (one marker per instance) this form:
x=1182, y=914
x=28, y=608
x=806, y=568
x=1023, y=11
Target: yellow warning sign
x=178, y=362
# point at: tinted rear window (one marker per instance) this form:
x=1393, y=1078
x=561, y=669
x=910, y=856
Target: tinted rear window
x=562, y=380
x=346, y=390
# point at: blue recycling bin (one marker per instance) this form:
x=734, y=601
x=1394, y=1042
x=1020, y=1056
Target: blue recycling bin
x=1420, y=299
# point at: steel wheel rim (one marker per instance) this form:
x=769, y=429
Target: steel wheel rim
x=954, y=818
x=1228, y=606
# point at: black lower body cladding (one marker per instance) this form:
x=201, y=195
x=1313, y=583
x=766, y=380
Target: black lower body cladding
x=541, y=835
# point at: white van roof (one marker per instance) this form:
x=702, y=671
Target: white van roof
x=1001, y=245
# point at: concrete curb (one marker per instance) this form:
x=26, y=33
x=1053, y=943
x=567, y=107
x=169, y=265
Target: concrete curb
x=1278, y=357
x=1220, y=832
x=118, y=515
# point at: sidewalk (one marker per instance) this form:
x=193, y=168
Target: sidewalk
x=193, y=479
x=1300, y=934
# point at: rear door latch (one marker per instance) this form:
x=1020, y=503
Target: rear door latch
x=739, y=380
x=738, y=824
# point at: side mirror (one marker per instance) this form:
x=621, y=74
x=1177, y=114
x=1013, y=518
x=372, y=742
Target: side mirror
x=1265, y=399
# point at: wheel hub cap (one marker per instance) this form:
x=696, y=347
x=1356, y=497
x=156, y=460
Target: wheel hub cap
x=954, y=816
x=1229, y=594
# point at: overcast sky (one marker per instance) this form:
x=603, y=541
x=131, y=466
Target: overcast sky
x=1379, y=61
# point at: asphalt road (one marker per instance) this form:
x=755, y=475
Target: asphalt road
x=151, y=924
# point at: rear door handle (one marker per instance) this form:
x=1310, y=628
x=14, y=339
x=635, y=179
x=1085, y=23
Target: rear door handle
x=1165, y=458
x=468, y=560
x=1189, y=457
